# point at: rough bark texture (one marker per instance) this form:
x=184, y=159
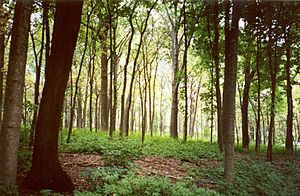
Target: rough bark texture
x=10, y=130
x=46, y=172
x=228, y=117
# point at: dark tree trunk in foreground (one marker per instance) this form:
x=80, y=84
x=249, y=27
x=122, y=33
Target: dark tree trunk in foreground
x=46, y=172
x=10, y=130
x=228, y=116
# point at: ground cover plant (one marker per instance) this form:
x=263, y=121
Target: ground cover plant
x=164, y=166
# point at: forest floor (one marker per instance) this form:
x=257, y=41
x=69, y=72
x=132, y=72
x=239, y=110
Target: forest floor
x=167, y=167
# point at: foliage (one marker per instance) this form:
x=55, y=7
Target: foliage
x=253, y=178
x=117, y=182
x=118, y=153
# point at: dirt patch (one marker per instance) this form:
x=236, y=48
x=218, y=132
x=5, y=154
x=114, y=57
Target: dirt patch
x=167, y=167
x=75, y=164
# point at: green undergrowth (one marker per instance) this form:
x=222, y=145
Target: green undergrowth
x=84, y=141
x=123, y=181
x=253, y=178
x=253, y=175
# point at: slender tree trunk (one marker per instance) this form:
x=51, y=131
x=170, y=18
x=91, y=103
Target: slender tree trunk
x=245, y=105
x=289, y=130
x=37, y=76
x=2, y=53
x=258, y=129
x=79, y=108
x=77, y=84
x=91, y=91
x=175, y=68
x=228, y=117
x=217, y=68
x=46, y=172
x=12, y=116
x=104, y=80
x=273, y=73
x=125, y=122
x=122, y=120
x=186, y=45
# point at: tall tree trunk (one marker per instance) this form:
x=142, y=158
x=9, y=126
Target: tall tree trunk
x=258, y=129
x=175, y=68
x=91, y=90
x=228, y=116
x=79, y=108
x=273, y=74
x=184, y=65
x=46, y=172
x=125, y=122
x=38, y=72
x=245, y=105
x=77, y=83
x=104, y=80
x=122, y=120
x=216, y=56
x=113, y=66
x=289, y=128
x=12, y=116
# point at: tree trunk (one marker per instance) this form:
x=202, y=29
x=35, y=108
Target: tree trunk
x=216, y=56
x=79, y=106
x=273, y=73
x=46, y=172
x=125, y=122
x=245, y=105
x=104, y=80
x=184, y=65
x=12, y=116
x=289, y=128
x=122, y=120
x=258, y=129
x=228, y=117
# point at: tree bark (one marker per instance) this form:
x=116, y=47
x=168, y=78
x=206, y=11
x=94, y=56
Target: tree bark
x=245, y=105
x=10, y=129
x=216, y=57
x=46, y=172
x=289, y=128
x=104, y=80
x=258, y=129
x=228, y=116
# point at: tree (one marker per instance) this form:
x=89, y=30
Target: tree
x=46, y=172
x=10, y=129
x=228, y=115
x=175, y=21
